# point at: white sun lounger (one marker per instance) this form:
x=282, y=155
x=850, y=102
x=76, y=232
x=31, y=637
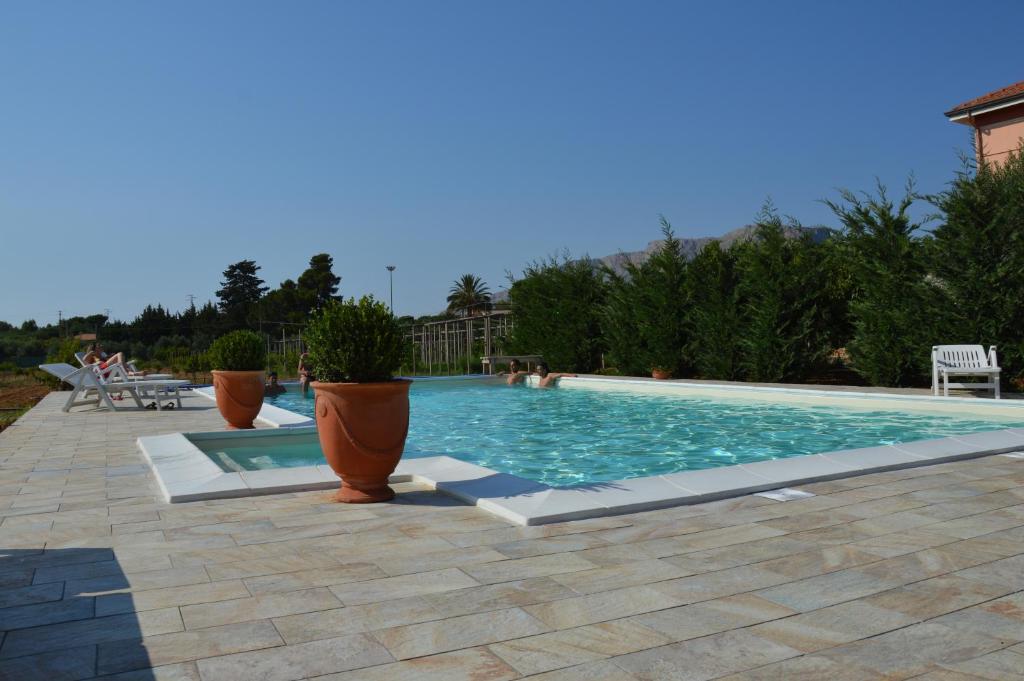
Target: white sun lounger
x=85, y=382
x=130, y=371
x=964, y=360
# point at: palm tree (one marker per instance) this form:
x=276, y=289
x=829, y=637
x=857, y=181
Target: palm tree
x=468, y=295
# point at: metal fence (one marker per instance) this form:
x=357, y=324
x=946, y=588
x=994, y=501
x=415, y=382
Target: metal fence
x=454, y=346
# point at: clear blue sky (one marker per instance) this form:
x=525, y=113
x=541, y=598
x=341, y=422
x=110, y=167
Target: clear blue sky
x=146, y=146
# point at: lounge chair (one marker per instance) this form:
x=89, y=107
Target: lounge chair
x=131, y=372
x=964, y=360
x=85, y=382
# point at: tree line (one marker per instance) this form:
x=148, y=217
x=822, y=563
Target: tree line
x=781, y=306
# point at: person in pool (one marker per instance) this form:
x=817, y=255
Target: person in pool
x=305, y=373
x=515, y=374
x=548, y=379
x=273, y=387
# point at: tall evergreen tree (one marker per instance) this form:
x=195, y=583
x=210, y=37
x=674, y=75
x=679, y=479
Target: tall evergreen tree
x=241, y=289
x=893, y=301
x=714, y=316
x=782, y=336
x=556, y=307
x=318, y=283
x=978, y=259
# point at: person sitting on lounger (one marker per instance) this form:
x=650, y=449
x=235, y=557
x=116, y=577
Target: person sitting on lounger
x=273, y=387
x=305, y=373
x=515, y=374
x=105, y=361
x=548, y=379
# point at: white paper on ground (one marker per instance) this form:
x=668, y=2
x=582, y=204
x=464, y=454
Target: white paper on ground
x=784, y=494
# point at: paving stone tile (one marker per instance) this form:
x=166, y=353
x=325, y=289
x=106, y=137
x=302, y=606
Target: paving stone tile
x=307, y=579
x=186, y=645
x=428, y=638
x=618, y=576
x=602, y=670
x=139, y=601
x=299, y=661
x=741, y=554
x=599, y=607
x=268, y=566
x=1002, y=665
x=21, y=617
x=139, y=581
x=182, y=671
x=1007, y=571
x=819, y=561
x=828, y=589
x=355, y=619
x=1002, y=618
x=525, y=568
x=26, y=595
x=498, y=596
x=913, y=650
x=403, y=565
x=712, y=617
x=82, y=632
x=570, y=647
x=390, y=588
x=471, y=664
x=805, y=668
x=69, y=664
x=257, y=608
x=936, y=596
x=703, y=587
x=812, y=631
x=698, y=541
x=705, y=658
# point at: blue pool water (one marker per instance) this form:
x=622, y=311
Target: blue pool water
x=570, y=436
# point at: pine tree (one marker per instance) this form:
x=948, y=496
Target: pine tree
x=240, y=291
x=318, y=284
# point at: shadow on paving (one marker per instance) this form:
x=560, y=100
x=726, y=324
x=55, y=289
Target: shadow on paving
x=65, y=615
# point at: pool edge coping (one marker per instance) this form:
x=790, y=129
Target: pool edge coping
x=185, y=473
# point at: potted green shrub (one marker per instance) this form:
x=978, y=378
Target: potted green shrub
x=238, y=360
x=362, y=410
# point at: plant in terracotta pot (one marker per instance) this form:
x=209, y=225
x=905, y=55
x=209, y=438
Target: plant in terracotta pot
x=362, y=410
x=238, y=360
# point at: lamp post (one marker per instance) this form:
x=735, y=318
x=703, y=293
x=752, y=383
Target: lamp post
x=391, y=285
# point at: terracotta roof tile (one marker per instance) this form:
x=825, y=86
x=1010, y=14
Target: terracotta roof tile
x=1017, y=89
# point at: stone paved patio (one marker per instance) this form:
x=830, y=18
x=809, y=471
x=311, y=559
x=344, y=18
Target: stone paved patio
x=911, y=574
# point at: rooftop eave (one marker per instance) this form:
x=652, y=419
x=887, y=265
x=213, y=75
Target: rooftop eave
x=965, y=114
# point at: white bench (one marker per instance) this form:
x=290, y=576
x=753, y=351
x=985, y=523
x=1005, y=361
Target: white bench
x=964, y=360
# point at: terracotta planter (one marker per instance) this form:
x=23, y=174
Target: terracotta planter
x=362, y=429
x=239, y=396
x=661, y=374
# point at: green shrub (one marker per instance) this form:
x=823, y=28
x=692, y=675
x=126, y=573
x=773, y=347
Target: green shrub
x=894, y=303
x=239, y=351
x=64, y=351
x=978, y=260
x=783, y=335
x=556, y=307
x=714, y=348
x=358, y=342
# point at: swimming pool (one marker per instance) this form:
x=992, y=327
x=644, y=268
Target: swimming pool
x=569, y=437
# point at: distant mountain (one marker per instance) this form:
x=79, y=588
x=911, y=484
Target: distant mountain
x=691, y=247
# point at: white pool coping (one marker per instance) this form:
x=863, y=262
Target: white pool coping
x=185, y=473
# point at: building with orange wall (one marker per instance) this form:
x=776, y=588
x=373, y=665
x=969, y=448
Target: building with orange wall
x=998, y=122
